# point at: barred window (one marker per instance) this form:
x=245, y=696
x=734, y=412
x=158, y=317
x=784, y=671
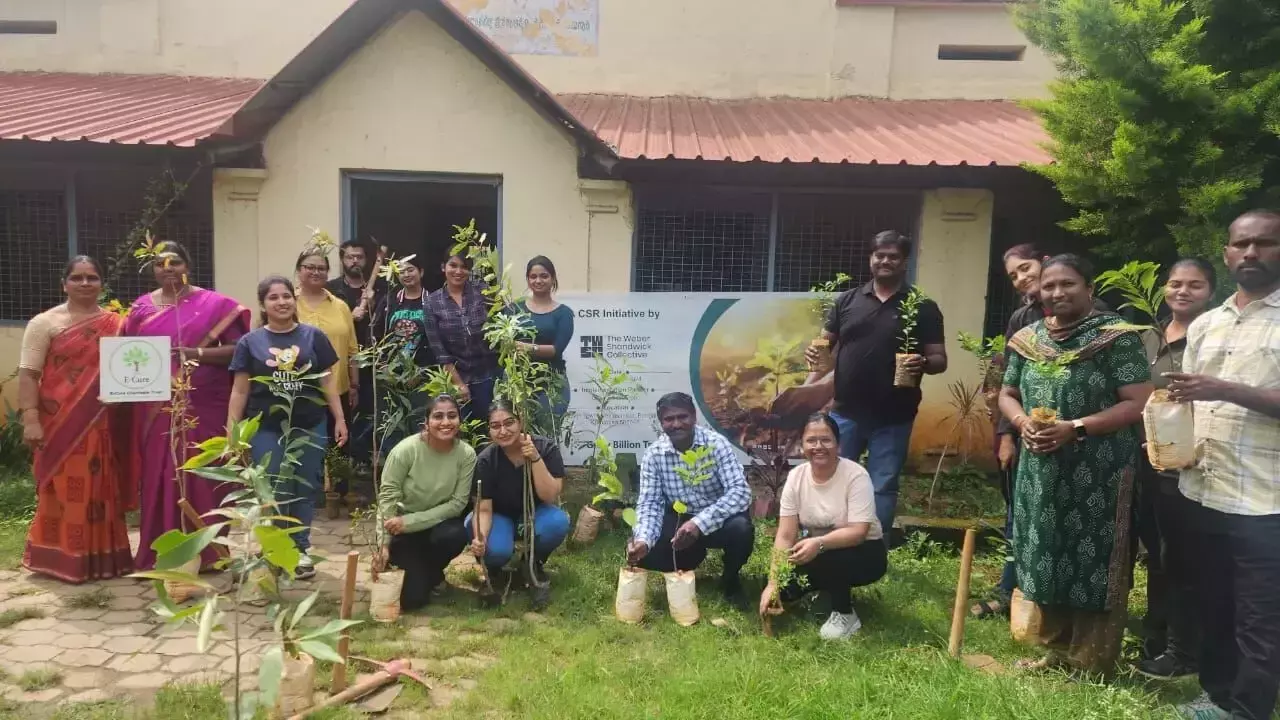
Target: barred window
x=102, y=231
x=724, y=240
x=33, y=252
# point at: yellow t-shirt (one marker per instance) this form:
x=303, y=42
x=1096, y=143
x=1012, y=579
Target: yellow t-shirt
x=333, y=317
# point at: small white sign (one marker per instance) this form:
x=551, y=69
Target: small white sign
x=134, y=369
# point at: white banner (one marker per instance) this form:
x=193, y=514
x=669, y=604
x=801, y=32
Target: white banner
x=735, y=354
x=537, y=27
x=134, y=369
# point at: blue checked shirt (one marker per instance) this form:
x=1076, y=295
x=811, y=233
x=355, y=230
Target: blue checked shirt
x=713, y=501
x=456, y=334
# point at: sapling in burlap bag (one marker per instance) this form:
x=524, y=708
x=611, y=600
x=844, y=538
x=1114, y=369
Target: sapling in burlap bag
x=629, y=605
x=910, y=317
x=682, y=585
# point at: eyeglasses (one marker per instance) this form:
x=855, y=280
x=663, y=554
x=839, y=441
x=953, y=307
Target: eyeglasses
x=315, y=268
x=507, y=424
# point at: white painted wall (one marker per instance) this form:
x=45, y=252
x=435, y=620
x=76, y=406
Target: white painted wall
x=707, y=48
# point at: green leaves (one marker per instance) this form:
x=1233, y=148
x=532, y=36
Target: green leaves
x=679, y=507
x=278, y=547
x=629, y=517
x=176, y=548
x=909, y=316
x=696, y=465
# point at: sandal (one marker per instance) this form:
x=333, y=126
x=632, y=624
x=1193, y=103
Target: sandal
x=989, y=608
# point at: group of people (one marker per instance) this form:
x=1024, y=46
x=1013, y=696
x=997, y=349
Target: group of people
x=94, y=462
x=1080, y=491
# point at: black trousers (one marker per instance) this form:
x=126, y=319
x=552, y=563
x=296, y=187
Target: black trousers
x=1238, y=561
x=1171, y=625
x=836, y=572
x=736, y=537
x=423, y=556
x=339, y=486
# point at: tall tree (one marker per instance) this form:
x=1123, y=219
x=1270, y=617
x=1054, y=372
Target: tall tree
x=1165, y=118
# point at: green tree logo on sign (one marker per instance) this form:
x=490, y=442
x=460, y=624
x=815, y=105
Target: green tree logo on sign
x=136, y=357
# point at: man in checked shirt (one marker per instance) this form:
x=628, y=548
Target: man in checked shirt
x=716, y=508
x=1231, y=371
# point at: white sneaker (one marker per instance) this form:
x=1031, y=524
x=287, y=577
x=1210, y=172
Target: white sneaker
x=840, y=626
x=306, y=568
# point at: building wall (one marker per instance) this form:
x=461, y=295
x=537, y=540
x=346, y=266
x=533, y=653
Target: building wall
x=710, y=48
x=951, y=267
x=413, y=100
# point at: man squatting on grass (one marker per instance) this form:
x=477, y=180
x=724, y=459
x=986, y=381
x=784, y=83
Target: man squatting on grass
x=716, y=515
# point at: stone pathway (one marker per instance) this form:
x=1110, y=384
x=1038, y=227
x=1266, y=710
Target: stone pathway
x=104, y=642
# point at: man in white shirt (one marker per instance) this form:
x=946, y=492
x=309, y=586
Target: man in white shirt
x=1231, y=371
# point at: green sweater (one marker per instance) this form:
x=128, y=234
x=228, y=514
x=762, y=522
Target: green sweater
x=424, y=486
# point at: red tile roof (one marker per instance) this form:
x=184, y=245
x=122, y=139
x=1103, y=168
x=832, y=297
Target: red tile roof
x=131, y=109
x=852, y=130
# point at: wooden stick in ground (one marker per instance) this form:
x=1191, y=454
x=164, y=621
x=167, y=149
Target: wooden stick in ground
x=339, y=682
x=959, y=612
x=198, y=523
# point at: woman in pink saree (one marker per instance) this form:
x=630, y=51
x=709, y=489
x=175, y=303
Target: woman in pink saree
x=202, y=326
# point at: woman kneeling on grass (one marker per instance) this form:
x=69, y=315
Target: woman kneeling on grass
x=829, y=528
x=425, y=487
x=1085, y=377
x=500, y=472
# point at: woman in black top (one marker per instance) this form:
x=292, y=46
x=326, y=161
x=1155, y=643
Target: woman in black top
x=500, y=513
x=404, y=323
x=1170, y=631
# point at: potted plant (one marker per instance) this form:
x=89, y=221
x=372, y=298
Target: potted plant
x=909, y=316
x=1169, y=425
x=825, y=299
x=608, y=385
x=682, y=597
x=782, y=573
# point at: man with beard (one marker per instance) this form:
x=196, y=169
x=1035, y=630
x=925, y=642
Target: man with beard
x=715, y=509
x=865, y=332
x=354, y=288
x=1231, y=371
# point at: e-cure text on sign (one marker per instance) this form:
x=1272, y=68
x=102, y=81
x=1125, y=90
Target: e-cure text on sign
x=134, y=369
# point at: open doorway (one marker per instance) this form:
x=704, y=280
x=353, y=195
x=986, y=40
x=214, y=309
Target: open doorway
x=415, y=213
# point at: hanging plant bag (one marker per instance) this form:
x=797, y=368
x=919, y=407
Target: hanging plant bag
x=588, y=525
x=181, y=592
x=1171, y=432
x=682, y=596
x=297, y=686
x=384, y=596
x=902, y=377
x=1024, y=618
x=629, y=606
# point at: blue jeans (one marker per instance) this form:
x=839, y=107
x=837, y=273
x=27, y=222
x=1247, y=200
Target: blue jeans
x=886, y=447
x=296, y=495
x=550, y=528
x=481, y=399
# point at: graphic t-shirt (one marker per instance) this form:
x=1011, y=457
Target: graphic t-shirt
x=503, y=483
x=406, y=323
x=285, y=357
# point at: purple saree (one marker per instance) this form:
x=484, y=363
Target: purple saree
x=202, y=319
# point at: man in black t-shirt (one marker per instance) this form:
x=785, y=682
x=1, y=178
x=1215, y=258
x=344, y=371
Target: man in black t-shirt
x=865, y=332
x=357, y=266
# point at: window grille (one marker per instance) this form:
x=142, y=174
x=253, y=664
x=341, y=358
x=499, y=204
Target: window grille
x=709, y=240
x=33, y=252
x=102, y=231
x=703, y=242
x=821, y=236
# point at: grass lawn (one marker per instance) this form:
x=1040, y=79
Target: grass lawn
x=577, y=661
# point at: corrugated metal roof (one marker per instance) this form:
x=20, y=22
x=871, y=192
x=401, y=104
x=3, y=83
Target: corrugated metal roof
x=852, y=130
x=129, y=109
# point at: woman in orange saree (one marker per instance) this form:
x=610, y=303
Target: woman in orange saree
x=203, y=326
x=82, y=486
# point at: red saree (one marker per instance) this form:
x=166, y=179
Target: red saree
x=83, y=487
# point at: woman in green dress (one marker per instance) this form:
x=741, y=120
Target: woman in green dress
x=1084, y=379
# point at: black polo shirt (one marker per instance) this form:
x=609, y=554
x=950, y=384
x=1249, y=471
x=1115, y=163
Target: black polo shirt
x=868, y=336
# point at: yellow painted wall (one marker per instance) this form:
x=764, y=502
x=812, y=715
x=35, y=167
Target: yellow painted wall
x=10, y=346
x=711, y=48
x=414, y=100
x=951, y=267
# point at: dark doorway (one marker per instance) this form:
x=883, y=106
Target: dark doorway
x=416, y=214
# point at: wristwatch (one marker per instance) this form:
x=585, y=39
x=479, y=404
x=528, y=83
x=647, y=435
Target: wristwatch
x=1081, y=433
